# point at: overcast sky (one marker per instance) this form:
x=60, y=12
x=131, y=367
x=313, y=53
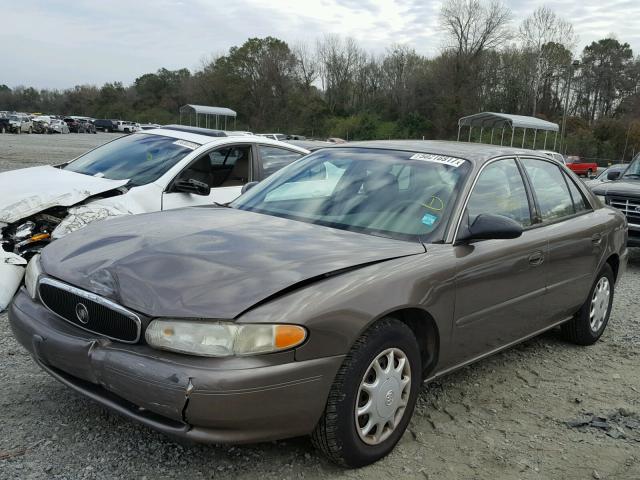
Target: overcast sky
x=59, y=44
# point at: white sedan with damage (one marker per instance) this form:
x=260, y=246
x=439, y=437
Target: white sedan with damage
x=160, y=169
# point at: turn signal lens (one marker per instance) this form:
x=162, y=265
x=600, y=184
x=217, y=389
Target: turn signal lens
x=288, y=336
x=222, y=339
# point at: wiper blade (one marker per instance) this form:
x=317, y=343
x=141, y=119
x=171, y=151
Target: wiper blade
x=225, y=205
x=631, y=175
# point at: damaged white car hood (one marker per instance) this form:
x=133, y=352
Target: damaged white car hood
x=28, y=191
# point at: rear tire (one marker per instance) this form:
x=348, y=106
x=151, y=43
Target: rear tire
x=342, y=434
x=588, y=324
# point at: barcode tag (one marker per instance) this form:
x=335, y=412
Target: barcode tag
x=443, y=159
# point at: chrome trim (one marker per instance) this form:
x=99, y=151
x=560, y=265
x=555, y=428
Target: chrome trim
x=94, y=298
x=633, y=226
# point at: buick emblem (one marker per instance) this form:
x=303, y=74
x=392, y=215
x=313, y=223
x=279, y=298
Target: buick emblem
x=388, y=398
x=82, y=313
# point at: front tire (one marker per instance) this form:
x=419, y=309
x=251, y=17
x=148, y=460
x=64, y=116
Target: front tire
x=588, y=324
x=373, y=396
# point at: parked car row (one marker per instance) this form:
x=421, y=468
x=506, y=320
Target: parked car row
x=14, y=122
x=316, y=302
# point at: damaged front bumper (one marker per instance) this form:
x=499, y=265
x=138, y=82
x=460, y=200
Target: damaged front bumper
x=12, y=269
x=217, y=400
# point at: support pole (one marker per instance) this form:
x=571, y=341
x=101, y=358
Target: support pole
x=535, y=134
x=470, y=128
x=502, y=136
x=545, y=139
x=554, y=142
x=492, y=128
x=459, y=127
x=481, y=132
x=524, y=134
x=513, y=131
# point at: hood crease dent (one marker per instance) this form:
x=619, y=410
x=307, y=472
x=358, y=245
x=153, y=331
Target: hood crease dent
x=208, y=262
x=28, y=191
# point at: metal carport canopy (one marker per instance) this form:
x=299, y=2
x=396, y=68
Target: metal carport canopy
x=206, y=110
x=493, y=120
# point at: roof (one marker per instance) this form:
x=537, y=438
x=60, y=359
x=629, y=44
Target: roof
x=495, y=120
x=477, y=152
x=206, y=110
x=197, y=130
x=192, y=134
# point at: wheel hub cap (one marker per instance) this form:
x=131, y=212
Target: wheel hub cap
x=599, y=304
x=383, y=396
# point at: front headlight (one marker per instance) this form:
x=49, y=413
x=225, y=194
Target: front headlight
x=602, y=198
x=222, y=339
x=31, y=276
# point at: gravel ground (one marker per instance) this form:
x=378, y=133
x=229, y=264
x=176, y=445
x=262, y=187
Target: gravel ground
x=503, y=418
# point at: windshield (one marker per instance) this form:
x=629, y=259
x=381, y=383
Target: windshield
x=13, y=117
x=395, y=194
x=633, y=171
x=140, y=158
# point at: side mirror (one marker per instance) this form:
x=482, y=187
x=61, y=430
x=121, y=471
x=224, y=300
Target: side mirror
x=192, y=186
x=247, y=186
x=613, y=175
x=491, y=227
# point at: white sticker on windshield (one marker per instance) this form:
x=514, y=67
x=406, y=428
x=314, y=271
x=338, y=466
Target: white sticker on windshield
x=184, y=143
x=443, y=159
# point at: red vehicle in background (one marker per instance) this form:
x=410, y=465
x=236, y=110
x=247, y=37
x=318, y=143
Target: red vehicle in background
x=580, y=167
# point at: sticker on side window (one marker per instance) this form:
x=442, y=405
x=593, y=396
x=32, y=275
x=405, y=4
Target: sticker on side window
x=443, y=159
x=184, y=143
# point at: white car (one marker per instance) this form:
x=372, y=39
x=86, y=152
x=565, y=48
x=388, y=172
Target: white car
x=125, y=127
x=274, y=136
x=558, y=157
x=159, y=169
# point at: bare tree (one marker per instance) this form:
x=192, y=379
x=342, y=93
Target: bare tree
x=474, y=26
x=308, y=66
x=539, y=30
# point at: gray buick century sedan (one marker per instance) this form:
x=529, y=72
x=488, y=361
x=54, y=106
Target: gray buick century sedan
x=320, y=300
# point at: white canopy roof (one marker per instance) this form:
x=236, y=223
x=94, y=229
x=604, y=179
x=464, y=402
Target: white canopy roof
x=206, y=110
x=499, y=120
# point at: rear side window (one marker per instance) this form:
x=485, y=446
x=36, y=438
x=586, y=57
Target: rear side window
x=274, y=158
x=550, y=188
x=580, y=203
x=500, y=191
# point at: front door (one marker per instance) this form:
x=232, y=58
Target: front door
x=225, y=170
x=500, y=284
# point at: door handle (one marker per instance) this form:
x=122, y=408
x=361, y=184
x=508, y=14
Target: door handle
x=596, y=238
x=536, y=258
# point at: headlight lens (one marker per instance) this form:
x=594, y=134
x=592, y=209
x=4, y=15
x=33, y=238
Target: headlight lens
x=31, y=276
x=222, y=339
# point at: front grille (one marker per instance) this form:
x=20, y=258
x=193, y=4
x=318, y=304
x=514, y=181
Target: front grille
x=89, y=311
x=629, y=206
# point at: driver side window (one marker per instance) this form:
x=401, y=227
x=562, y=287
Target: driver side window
x=500, y=190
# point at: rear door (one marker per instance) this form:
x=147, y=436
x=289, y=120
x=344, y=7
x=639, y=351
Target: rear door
x=575, y=233
x=500, y=284
x=225, y=169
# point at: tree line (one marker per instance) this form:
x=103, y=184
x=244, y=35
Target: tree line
x=336, y=87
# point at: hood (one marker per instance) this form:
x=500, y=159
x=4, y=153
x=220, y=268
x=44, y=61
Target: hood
x=207, y=262
x=28, y=191
x=625, y=187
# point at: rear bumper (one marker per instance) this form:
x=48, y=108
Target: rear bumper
x=235, y=400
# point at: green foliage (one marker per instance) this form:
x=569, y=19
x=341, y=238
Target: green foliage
x=340, y=90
